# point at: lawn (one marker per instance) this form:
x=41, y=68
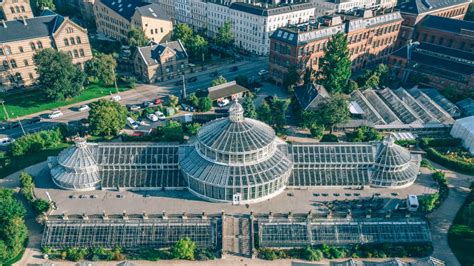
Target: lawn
x=27, y=102
x=9, y=165
x=461, y=235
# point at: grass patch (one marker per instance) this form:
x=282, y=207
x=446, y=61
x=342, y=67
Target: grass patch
x=27, y=102
x=461, y=234
x=12, y=164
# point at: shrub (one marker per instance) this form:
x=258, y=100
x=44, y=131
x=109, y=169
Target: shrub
x=312, y=254
x=316, y=131
x=453, y=164
x=429, y=202
x=184, y=249
x=267, y=254
x=41, y=205
x=406, y=142
x=364, y=134
x=329, y=138
x=440, y=142
x=35, y=142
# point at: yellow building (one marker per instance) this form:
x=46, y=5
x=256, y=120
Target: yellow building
x=15, y=9
x=160, y=62
x=21, y=39
x=115, y=18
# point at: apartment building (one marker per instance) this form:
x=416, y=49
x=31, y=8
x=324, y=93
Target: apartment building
x=15, y=9
x=327, y=7
x=166, y=5
x=160, y=62
x=115, y=18
x=21, y=39
x=371, y=37
x=451, y=33
x=413, y=11
x=84, y=7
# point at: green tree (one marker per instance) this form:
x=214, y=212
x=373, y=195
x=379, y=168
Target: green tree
x=468, y=214
x=335, y=65
x=218, y=81
x=279, y=108
x=225, y=36
x=107, y=118
x=103, y=67
x=173, y=100
x=205, y=104
x=470, y=13
x=183, y=33
x=249, y=107
x=13, y=232
x=198, y=47
x=193, y=128
x=291, y=78
x=184, y=249
x=39, y=5
x=312, y=254
x=351, y=86
x=136, y=37
x=242, y=80
x=58, y=76
x=375, y=77
x=173, y=131
x=316, y=131
x=334, y=111
x=264, y=112
x=193, y=100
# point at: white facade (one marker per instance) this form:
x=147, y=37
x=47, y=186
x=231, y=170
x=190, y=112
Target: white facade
x=464, y=129
x=217, y=15
x=330, y=7
x=198, y=14
x=183, y=11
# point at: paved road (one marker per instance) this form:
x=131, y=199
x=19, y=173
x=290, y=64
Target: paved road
x=249, y=67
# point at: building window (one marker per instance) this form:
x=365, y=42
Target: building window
x=30, y=75
x=13, y=63
x=81, y=52
x=69, y=30
x=5, y=65
x=12, y=10
x=23, y=9
x=32, y=45
x=76, y=54
x=1, y=51
x=39, y=44
x=17, y=9
x=26, y=62
x=66, y=42
x=72, y=41
x=78, y=40
x=8, y=50
x=21, y=49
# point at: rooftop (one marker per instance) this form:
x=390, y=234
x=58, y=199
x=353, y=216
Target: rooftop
x=424, y=6
x=126, y=8
x=30, y=28
x=271, y=10
x=152, y=54
x=225, y=90
x=456, y=26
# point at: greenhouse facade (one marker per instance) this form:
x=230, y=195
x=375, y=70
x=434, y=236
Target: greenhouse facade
x=233, y=159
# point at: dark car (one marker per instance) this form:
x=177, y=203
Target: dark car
x=147, y=104
x=178, y=83
x=214, y=74
x=234, y=68
x=193, y=79
x=35, y=119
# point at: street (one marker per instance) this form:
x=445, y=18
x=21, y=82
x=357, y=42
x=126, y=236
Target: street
x=248, y=67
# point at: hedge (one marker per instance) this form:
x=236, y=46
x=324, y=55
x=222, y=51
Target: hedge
x=455, y=165
x=27, y=187
x=406, y=142
x=440, y=142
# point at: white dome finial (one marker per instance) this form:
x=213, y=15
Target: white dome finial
x=236, y=112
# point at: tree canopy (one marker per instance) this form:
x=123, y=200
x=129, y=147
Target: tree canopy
x=205, y=104
x=136, y=37
x=103, y=67
x=335, y=65
x=334, y=111
x=58, y=76
x=184, y=249
x=249, y=107
x=379, y=76
x=218, y=81
x=39, y=5
x=274, y=113
x=13, y=232
x=182, y=32
x=197, y=47
x=225, y=36
x=107, y=118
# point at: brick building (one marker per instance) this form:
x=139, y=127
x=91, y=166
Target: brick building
x=116, y=18
x=435, y=66
x=371, y=36
x=21, y=39
x=15, y=9
x=413, y=11
x=451, y=33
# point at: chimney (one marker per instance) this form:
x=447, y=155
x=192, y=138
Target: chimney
x=4, y=24
x=24, y=21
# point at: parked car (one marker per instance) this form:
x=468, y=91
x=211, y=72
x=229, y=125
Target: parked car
x=262, y=72
x=192, y=79
x=187, y=107
x=55, y=114
x=178, y=83
x=4, y=126
x=158, y=101
x=147, y=104
x=160, y=115
x=35, y=119
x=133, y=107
x=234, y=68
x=84, y=108
x=6, y=141
x=116, y=98
x=131, y=123
x=152, y=117
x=223, y=102
x=214, y=74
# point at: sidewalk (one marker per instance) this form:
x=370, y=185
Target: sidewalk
x=442, y=218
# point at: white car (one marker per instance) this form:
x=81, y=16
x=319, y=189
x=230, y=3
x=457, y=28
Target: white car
x=6, y=141
x=131, y=123
x=116, y=98
x=160, y=115
x=84, y=108
x=223, y=102
x=152, y=117
x=55, y=114
x=262, y=72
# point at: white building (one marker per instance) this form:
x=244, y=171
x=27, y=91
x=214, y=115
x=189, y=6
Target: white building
x=325, y=7
x=464, y=129
x=183, y=11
